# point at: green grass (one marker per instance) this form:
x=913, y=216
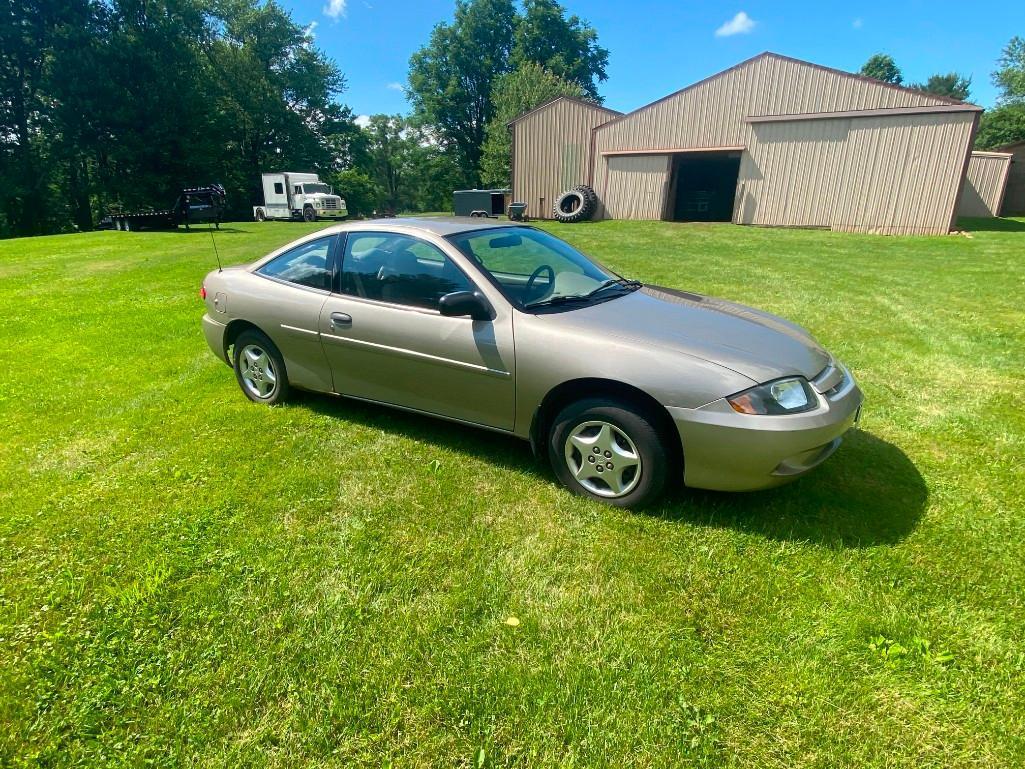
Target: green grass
x=187, y=579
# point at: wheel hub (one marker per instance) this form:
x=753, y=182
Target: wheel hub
x=258, y=375
x=603, y=459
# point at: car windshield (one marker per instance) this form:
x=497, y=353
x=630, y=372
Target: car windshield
x=310, y=189
x=535, y=269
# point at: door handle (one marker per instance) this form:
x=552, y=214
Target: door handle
x=340, y=319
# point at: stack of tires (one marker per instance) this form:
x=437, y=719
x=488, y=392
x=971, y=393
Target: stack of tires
x=575, y=205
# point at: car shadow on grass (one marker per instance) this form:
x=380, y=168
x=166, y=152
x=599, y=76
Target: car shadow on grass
x=869, y=493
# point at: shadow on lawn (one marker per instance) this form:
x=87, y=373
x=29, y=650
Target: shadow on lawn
x=991, y=224
x=869, y=493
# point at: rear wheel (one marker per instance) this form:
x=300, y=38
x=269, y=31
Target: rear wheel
x=260, y=215
x=259, y=368
x=609, y=450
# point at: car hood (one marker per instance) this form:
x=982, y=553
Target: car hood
x=757, y=344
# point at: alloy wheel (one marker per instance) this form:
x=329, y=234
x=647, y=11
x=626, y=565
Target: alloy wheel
x=603, y=459
x=257, y=370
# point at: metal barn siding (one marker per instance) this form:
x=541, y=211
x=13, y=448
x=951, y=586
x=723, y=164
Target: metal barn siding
x=895, y=174
x=783, y=112
x=985, y=183
x=1014, y=194
x=551, y=151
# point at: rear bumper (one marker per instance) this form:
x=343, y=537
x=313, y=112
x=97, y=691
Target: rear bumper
x=214, y=333
x=727, y=451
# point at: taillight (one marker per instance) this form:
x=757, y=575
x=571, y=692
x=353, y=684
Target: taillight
x=202, y=292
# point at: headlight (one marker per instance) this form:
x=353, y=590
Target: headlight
x=318, y=203
x=784, y=396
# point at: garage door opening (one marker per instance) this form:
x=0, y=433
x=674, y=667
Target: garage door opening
x=703, y=186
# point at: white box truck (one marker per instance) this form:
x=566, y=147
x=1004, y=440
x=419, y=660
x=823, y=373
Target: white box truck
x=291, y=195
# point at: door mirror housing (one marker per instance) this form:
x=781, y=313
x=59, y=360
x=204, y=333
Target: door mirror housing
x=461, y=303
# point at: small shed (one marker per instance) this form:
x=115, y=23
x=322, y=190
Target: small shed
x=984, y=184
x=1014, y=194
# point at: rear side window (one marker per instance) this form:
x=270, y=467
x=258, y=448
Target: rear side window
x=279, y=188
x=306, y=265
x=398, y=269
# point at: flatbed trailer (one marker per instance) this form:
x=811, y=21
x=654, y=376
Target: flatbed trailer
x=194, y=205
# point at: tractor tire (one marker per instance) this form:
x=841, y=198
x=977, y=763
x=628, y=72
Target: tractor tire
x=575, y=205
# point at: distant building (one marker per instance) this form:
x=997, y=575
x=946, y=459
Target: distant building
x=771, y=141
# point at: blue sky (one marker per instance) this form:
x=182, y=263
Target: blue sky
x=660, y=46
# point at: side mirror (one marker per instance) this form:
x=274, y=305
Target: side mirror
x=462, y=303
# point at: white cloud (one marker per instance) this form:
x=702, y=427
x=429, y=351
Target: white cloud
x=362, y=120
x=740, y=24
x=857, y=23
x=395, y=87
x=311, y=30
x=334, y=9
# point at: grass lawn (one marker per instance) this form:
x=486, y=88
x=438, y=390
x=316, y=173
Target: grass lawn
x=188, y=579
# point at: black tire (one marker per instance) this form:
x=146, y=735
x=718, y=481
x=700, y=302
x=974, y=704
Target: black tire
x=260, y=215
x=309, y=215
x=640, y=428
x=589, y=196
x=574, y=206
x=252, y=386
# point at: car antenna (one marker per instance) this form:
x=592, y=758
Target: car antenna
x=217, y=256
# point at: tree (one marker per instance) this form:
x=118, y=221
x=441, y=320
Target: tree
x=1002, y=125
x=882, y=67
x=952, y=86
x=1010, y=77
x=526, y=87
x=451, y=78
x=565, y=46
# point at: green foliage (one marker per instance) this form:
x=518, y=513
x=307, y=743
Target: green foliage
x=452, y=79
x=881, y=66
x=124, y=103
x=190, y=580
x=1010, y=76
x=361, y=193
x=952, y=85
x=1001, y=125
x=524, y=88
x=564, y=46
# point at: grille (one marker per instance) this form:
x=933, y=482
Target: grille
x=831, y=380
x=330, y=203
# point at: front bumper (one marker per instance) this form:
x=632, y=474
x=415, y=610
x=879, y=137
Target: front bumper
x=331, y=213
x=214, y=333
x=727, y=451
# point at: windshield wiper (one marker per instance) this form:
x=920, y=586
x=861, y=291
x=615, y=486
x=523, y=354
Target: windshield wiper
x=567, y=298
x=562, y=299
x=621, y=282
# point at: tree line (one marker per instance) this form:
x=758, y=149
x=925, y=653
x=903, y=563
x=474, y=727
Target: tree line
x=117, y=104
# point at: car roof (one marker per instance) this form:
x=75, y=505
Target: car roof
x=436, y=225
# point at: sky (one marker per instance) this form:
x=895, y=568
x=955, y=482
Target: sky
x=659, y=46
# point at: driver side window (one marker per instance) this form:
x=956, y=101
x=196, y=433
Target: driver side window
x=398, y=269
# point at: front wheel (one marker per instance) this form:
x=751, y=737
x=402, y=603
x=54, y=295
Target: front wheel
x=309, y=214
x=260, y=369
x=609, y=450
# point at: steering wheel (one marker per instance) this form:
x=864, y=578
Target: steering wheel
x=536, y=274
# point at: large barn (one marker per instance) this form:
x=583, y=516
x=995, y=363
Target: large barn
x=771, y=141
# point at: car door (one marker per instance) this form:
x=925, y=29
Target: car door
x=386, y=340
x=288, y=294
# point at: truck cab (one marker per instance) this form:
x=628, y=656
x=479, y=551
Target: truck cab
x=292, y=195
